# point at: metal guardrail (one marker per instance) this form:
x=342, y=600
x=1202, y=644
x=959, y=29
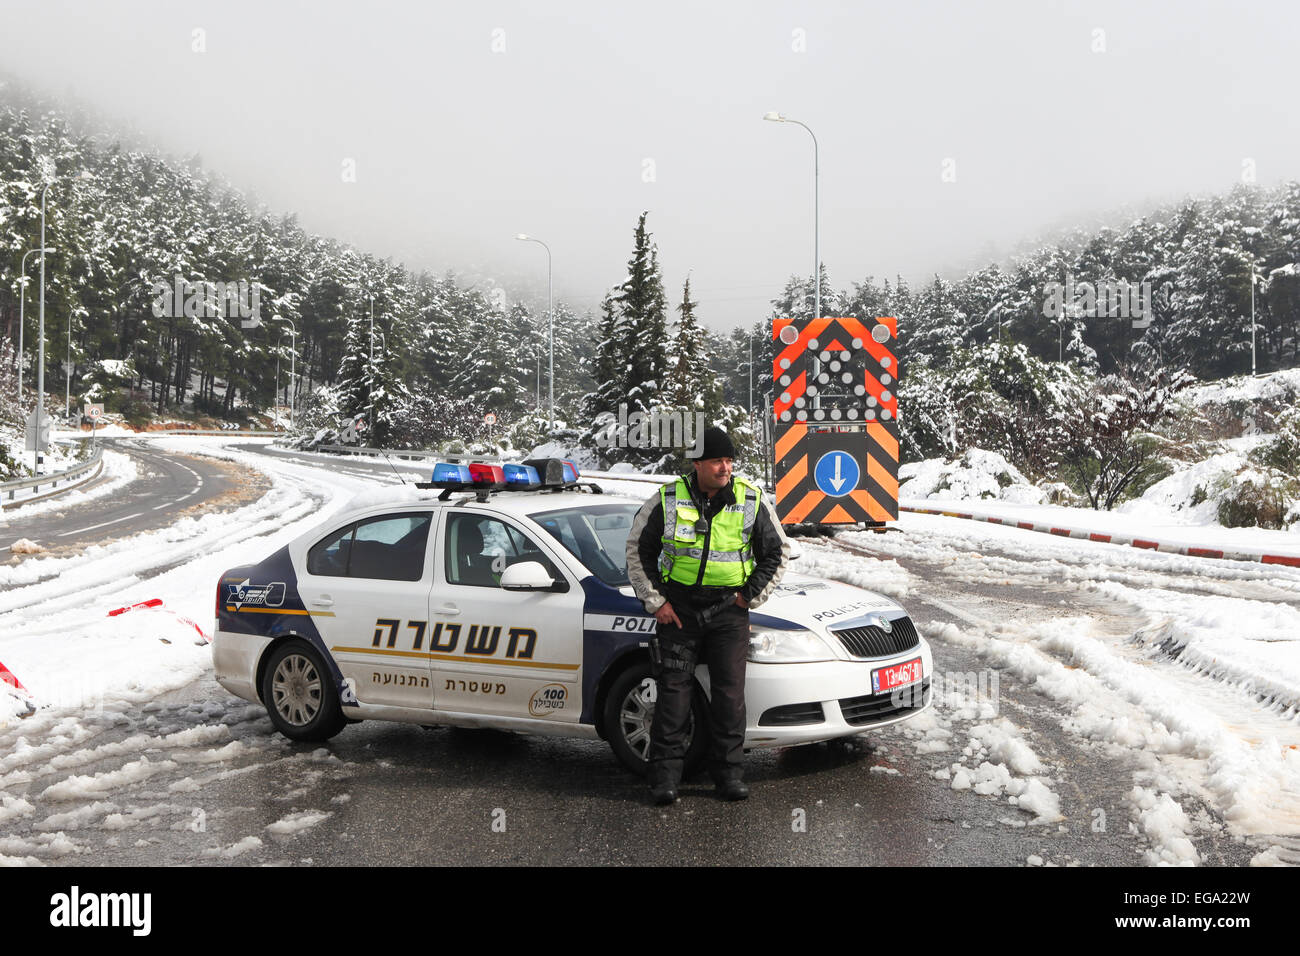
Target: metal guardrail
x=8, y=489
x=406, y=453
x=233, y=432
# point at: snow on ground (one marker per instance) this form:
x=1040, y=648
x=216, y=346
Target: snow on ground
x=118, y=469
x=1202, y=691
x=975, y=474
x=57, y=637
x=1281, y=386
x=1202, y=688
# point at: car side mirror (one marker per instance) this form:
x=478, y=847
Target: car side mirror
x=526, y=576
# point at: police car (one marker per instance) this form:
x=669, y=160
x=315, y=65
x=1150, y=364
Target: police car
x=466, y=603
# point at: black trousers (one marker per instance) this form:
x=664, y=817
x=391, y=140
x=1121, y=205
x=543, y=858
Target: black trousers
x=722, y=645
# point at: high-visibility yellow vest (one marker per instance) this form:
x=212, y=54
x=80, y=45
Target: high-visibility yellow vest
x=730, y=559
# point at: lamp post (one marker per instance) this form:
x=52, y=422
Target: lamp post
x=67, y=374
x=22, y=301
x=775, y=117
x=40, y=364
x=550, y=324
x=1252, y=318
x=293, y=362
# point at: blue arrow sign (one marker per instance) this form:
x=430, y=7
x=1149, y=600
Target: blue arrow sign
x=836, y=473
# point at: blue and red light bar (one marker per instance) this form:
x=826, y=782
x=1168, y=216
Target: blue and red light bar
x=532, y=475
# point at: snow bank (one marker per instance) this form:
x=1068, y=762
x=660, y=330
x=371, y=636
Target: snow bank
x=976, y=474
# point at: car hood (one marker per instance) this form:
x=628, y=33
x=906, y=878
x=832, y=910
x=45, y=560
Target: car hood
x=815, y=604
x=800, y=601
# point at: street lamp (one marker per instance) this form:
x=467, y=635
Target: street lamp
x=1252, y=317
x=293, y=363
x=40, y=364
x=22, y=301
x=775, y=117
x=67, y=374
x=550, y=323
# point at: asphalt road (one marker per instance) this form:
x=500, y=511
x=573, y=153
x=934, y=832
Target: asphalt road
x=220, y=787
x=168, y=486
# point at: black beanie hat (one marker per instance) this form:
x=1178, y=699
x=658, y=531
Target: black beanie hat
x=717, y=444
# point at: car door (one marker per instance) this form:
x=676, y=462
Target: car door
x=499, y=652
x=367, y=588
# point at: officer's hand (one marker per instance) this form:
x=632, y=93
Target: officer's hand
x=740, y=600
x=666, y=615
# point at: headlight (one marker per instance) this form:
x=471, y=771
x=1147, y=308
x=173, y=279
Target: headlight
x=787, y=647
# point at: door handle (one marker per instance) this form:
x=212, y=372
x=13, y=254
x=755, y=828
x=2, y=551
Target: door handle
x=450, y=610
x=323, y=601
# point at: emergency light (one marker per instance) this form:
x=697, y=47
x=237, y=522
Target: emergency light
x=454, y=477
x=487, y=477
x=521, y=477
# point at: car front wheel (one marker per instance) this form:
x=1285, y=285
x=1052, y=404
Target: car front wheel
x=629, y=712
x=299, y=694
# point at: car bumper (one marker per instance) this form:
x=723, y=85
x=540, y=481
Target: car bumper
x=790, y=704
x=234, y=662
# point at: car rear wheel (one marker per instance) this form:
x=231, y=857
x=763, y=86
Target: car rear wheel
x=629, y=712
x=299, y=694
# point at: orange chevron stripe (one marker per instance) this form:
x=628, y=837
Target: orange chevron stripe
x=791, y=352
x=791, y=479
x=887, y=442
x=838, y=515
x=800, y=511
x=873, y=508
x=784, y=443
x=881, y=476
x=796, y=388
x=875, y=389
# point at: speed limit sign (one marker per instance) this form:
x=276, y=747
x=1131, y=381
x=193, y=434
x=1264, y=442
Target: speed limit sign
x=489, y=419
x=93, y=412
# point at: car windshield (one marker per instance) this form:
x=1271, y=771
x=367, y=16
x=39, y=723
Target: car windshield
x=596, y=535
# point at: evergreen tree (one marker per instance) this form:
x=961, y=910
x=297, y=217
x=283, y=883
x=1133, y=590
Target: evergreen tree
x=642, y=331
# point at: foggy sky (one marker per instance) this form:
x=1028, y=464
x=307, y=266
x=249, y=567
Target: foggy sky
x=470, y=122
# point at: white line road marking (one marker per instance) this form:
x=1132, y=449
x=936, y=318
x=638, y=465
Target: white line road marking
x=158, y=507
x=104, y=525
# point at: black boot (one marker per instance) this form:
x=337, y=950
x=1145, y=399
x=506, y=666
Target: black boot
x=732, y=788
x=663, y=785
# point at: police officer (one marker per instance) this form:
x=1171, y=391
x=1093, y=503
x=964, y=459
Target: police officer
x=702, y=551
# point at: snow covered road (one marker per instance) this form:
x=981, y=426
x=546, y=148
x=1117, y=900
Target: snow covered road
x=1189, y=666
x=1095, y=704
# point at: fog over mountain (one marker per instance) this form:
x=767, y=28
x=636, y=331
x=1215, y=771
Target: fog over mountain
x=433, y=133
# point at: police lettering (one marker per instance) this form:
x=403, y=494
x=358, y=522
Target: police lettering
x=642, y=625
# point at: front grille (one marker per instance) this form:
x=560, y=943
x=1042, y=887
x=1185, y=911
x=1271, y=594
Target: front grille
x=875, y=641
x=791, y=715
x=873, y=708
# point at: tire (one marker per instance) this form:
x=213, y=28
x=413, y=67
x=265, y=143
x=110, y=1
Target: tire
x=629, y=710
x=299, y=694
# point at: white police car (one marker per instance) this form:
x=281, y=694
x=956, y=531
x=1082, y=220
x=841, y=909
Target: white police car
x=513, y=611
